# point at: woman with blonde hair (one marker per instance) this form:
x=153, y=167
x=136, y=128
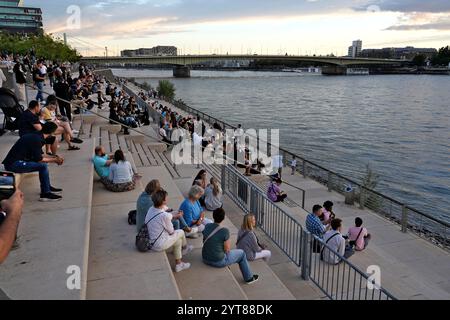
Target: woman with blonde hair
x=213, y=195
x=248, y=241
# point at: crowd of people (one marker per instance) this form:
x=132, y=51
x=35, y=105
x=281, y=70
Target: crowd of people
x=323, y=224
x=169, y=229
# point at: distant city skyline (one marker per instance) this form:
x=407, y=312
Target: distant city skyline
x=303, y=27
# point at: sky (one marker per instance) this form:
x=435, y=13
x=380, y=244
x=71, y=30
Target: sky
x=246, y=26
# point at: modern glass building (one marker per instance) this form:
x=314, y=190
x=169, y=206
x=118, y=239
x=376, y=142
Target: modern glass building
x=16, y=18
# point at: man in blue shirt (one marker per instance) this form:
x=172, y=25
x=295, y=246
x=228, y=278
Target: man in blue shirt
x=26, y=156
x=313, y=223
x=102, y=162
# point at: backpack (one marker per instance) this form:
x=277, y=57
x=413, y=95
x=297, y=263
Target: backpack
x=143, y=242
x=132, y=217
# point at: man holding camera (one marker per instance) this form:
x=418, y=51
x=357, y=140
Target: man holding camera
x=26, y=156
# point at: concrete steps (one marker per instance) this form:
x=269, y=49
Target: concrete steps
x=53, y=236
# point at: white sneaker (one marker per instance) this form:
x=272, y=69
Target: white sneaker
x=193, y=234
x=188, y=249
x=182, y=266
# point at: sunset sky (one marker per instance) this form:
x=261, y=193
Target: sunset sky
x=248, y=26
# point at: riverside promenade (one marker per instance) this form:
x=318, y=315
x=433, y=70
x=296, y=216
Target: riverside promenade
x=411, y=267
x=88, y=229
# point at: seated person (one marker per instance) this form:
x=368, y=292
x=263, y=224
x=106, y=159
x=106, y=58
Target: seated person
x=194, y=214
x=30, y=123
x=213, y=195
x=48, y=113
x=26, y=156
x=358, y=236
x=163, y=134
x=248, y=241
x=162, y=233
x=201, y=181
x=327, y=213
x=274, y=192
x=102, y=162
x=121, y=175
x=336, y=242
x=145, y=202
x=217, y=251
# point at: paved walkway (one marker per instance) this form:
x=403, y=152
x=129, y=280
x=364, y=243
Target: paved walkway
x=411, y=267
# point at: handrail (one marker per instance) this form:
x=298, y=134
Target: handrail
x=280, y=226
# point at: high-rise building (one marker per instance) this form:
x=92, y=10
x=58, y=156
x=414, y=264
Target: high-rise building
x=16, y=18
x=355, y=49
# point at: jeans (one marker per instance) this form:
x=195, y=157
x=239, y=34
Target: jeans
x=27, y=167
x=40, y=87
x=234, y=256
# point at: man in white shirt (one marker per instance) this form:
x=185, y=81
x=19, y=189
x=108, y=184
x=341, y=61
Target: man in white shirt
x=335, y=243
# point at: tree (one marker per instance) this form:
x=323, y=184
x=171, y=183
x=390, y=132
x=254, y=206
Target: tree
x=166, y=89
x=442, y=58
x=419, y=60
x=44, y=46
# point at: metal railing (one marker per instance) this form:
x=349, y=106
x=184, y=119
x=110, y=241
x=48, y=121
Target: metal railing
x=343, y=281
x=424, y=225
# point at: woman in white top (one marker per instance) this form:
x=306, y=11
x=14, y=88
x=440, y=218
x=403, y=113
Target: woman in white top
x=161, y=232
x=213, y=195
x=335, y=243
x=121, y=176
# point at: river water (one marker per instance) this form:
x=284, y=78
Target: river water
x=400, y=124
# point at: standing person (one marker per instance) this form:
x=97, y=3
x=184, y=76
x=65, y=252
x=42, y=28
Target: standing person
x=335, y=243
x=248, y=241
x=62, y=91
x=161, y=231
x=293, y=165
x=21, y=80
x=39, y=78
x=358, y=236
x=51, y=74
x=26, y=156
x=217, y=251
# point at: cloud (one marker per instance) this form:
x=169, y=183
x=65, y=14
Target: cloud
x=422, y=21
x=434, y=6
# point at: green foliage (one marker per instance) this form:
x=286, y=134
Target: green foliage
x=442, y=58
x=43, y=45
x=166, y=89
x=370, y=182
x=146, y=86
x=419, y=60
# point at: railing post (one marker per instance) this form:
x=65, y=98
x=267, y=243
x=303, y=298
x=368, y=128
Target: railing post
x=329, y=184
x=404, y=218
x=305, y=256
x=361, y=198
x=304, y=169
x=303, y=199
x=223, y=178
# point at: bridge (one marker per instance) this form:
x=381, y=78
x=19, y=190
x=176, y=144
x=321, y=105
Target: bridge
x=333, y=65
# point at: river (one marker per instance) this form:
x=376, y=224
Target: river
x=400, y=124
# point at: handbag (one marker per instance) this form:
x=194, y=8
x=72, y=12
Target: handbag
x=143, y=242
x=132, y=217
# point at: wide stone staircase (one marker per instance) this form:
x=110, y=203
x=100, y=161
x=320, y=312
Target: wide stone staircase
x=88, y=231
